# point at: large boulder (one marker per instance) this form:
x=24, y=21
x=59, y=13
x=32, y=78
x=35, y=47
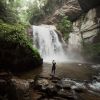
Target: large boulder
x=19, y=90
x=16, y=52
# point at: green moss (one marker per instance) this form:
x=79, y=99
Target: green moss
x=16, y=33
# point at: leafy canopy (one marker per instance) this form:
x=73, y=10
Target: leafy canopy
x=65, y=26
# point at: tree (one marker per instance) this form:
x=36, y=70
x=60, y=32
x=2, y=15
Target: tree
x=65, y=26
x=7, y=13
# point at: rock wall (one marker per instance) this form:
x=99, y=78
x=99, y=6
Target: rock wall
x=16, y=57
x=89, y=25
x=70, y=8
x=88, y=4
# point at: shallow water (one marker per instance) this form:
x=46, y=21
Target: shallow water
x=77, y=71
x=67, y=70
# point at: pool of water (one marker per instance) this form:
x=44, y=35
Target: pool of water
x=69, y=70
x=77, y=71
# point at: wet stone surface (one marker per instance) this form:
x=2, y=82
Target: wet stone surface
x=63, y=89
x=47, y=88
x=57, y=89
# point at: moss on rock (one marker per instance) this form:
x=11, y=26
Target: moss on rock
x=17, y=52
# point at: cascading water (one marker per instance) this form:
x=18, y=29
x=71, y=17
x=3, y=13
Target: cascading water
x=47, y=42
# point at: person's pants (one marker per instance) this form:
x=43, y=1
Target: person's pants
x=53, y=71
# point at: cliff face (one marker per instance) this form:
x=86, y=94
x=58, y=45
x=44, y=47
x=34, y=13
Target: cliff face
x=86, y=22
x=88, y=4
x=86, y=18
x=89, y=24
x=70, y=8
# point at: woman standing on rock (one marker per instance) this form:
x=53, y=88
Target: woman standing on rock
x=53, y=67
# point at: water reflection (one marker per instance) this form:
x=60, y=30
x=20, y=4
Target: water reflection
x=69, y=70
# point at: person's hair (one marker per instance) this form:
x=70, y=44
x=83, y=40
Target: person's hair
x=53, y=60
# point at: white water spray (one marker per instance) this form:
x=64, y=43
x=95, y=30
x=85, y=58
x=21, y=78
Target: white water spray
x=74, y=50
x=47, y=42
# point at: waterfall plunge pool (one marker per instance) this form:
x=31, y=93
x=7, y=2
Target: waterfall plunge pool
x=70, y=70
x=77, y=71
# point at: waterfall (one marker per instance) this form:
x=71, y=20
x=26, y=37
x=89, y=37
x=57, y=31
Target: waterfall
x=47, y=42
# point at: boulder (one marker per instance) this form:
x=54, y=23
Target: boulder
x=3, y=87
x=65, y=83
x=66, y=94
x=17, y=52
x=31, y=82
x=40, y=83
x=51, y=90
x=19, y=90
x=79, y=88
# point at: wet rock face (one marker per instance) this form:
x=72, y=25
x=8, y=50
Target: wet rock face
x=16, y=57
x=46, y=88
x=88, y=4
x=4, y=86
x=70, y=8
x=73, y=9
x=19, y=90
x=88, y=25
x=94, y=85
x=62, y=89
x=14, y=88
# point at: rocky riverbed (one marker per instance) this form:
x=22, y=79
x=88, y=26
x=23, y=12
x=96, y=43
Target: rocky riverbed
x=42, y=87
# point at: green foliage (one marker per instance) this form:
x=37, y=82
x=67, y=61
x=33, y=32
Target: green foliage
x=45, y=8
x=7, y=14
x=17, y=34
x=35, y=11
x=12, y=28
x=65, y=26
x=36, y=53
x=12, y=11
x=13, y=32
